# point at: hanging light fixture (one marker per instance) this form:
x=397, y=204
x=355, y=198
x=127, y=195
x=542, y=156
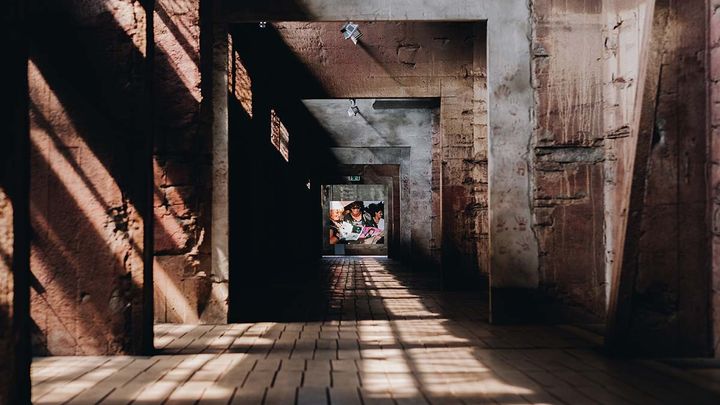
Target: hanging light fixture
x=353, y=110
x=351, y=31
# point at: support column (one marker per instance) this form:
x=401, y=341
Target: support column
x=514, y=274
x=220, y=224
x=14, y=216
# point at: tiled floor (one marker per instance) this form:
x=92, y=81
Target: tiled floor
x=387, y=337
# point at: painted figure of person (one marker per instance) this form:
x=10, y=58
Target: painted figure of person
x=337, y=219
x=376, y=213
x=377, y=221
x=357, y=215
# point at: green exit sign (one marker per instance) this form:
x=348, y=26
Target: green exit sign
x=354, y=178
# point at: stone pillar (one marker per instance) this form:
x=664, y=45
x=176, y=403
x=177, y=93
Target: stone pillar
x=513, y=246
x=220, y=163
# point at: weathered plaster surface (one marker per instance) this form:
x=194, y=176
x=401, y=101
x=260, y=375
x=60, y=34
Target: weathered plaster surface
x=568, y=150
x=85, y=196
x=625, y=25
x=191, y=201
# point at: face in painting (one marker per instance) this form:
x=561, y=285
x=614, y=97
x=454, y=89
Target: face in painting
x=336, y=214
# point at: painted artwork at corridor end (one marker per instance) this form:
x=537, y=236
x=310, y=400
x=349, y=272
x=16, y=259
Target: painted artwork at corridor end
x=357, y=222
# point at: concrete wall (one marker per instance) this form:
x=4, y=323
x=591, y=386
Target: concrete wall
x=400, y=135
x=88, y=196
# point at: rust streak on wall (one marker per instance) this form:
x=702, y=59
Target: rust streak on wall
x=569, y=151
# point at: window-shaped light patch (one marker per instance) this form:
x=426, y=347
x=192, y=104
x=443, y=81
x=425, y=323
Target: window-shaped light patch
x=239, y=82
x=279, y=135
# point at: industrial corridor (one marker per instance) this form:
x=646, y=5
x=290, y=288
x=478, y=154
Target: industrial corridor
x=360, y=202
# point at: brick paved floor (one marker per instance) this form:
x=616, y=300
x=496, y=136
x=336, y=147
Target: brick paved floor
x=386, y=337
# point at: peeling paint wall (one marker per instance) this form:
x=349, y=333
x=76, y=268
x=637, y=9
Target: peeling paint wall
x=86, y=192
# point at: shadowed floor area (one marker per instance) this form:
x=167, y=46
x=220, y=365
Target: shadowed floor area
x=382, y=336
